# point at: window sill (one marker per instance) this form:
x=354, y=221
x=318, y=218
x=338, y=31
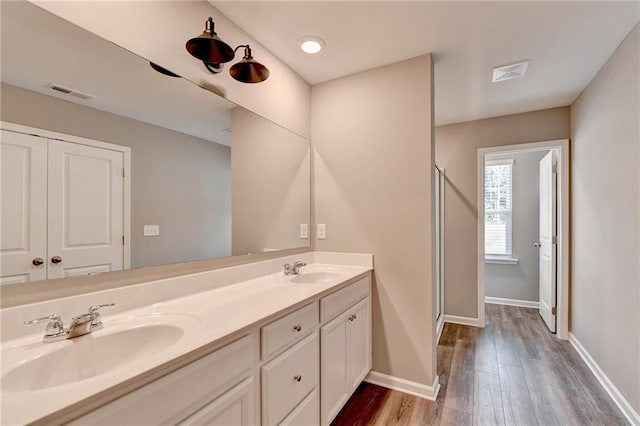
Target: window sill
x=501, y=260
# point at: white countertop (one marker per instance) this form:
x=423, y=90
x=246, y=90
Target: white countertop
x=206, y=317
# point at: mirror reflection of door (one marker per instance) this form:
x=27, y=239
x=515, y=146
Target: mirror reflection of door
x=62, y=209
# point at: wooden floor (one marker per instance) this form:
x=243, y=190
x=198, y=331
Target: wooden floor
x=512, y=372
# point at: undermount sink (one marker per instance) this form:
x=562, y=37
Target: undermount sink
x=89, y=356
x=315, y=277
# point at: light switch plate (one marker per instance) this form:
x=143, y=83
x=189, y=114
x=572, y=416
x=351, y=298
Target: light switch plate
x=151, y=230
x=304, y=230
x=322, y=231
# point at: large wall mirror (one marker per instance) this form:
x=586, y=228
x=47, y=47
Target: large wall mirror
x=130, y=164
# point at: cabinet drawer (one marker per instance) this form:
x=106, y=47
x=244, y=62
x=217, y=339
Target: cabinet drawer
x=305, y=414
x=288, y=379
x=341, y=300
x=289, y=329
x=177, y=395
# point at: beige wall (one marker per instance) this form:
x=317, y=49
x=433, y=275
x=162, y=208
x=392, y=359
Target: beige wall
x=520, y=281
x=605, y=173
x=158, y=31
x=271, y=180
x=179, y=182
x=457, y=152
x=373, y=181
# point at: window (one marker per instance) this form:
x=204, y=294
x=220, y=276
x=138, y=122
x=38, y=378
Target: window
x=498, y=208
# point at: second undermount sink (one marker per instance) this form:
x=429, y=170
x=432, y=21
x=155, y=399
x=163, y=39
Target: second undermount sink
x=89, y=356
x=315, y=277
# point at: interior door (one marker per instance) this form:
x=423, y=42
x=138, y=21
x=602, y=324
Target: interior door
x=547, y=243
x=85, y=200
x=23, y=212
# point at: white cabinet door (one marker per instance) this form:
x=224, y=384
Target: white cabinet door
x=333, y=368
x=233, y=408
x=358, y=344
x=345, y=357
x=86, y=214
x=24, y=207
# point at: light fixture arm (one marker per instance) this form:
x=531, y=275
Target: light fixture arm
x=247, y=50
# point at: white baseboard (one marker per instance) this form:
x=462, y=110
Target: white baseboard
x=606, y=383
x=462, y=320
x=511, y=302
x=406, y=386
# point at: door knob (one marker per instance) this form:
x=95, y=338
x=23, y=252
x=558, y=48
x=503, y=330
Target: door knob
x=56, y=259
x=537, y=245
x=37, y=261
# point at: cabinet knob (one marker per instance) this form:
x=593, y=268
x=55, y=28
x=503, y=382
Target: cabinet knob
x=56, y=259
x=297, y=328
x=351, y=318
x=37, y=261
x=297, y=378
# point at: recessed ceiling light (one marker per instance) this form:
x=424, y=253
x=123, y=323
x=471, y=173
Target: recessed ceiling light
x=507, y=72
x=311, y=44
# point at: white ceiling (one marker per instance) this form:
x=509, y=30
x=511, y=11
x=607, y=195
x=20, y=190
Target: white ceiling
x=566, y=42
x=121, y=82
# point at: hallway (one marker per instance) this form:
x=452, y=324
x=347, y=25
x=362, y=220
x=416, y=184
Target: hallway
x=512, y=372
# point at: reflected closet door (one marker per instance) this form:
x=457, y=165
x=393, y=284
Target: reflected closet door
x=23, y=228
x=85, y=210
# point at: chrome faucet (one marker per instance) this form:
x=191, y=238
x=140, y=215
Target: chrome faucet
x=80, y=325
x=293, y=269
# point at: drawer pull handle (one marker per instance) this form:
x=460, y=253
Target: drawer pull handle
x=297, y=328
x=351, y=318
x=297, y=378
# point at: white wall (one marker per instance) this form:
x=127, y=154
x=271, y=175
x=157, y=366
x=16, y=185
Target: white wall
x=373, y=187
x=158, y=31
x=520, y=281
x=605, y=174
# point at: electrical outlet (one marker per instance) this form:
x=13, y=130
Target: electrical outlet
x=322, y=231
x=304, y=230
x=151, y=230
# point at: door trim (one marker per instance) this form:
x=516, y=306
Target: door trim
x=126, y=152
x=562, y=146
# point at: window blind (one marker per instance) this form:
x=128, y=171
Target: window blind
x=498, y=177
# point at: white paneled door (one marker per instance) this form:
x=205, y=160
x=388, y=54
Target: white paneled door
x=547, y=242
x=62, y=209
x=23, y=212
x=85, y=209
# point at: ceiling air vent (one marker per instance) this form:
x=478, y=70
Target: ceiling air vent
x=70, y=92
x=507, y=72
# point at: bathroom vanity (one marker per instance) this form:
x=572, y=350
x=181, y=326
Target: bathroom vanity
x=257, y=347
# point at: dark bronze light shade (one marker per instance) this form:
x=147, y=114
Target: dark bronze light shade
x=208, y=47
x=248, y=70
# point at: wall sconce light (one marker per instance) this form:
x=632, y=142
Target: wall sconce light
x=213, y=52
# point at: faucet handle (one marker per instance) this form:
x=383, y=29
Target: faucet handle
x=96, y=324
x=288, y=268
x=94, y=308
x=54, y=324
